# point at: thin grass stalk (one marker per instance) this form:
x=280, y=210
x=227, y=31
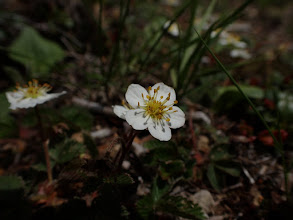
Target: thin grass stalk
x=200, y=50
x=163, y=32
x=116, y=51
x=277, y=144
x=285, y=169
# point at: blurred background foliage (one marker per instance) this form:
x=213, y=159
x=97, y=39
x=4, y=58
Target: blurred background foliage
x=94, y=49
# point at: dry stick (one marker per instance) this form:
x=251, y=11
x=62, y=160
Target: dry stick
x=45, y=145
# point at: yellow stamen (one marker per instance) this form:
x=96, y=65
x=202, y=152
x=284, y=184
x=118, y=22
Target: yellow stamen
x=168, y=119
x=175, y=102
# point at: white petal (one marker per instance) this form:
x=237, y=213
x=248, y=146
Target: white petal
x=134, y=95
x=240, y=53
x=173, y=29
x=240, y=44
x=160, y=130
x=17, y=101
x=164, y=91
x=177, y=119
x=135, y=118
x=13, y=96
x=120, y=111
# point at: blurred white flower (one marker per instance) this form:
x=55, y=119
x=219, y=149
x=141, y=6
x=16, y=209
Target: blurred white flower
x=240, y=53
x=173, y=29
x=227, y=38
x=30, y=95
x=152, y=109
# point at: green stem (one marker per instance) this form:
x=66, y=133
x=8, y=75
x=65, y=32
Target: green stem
x=116, y=51
x=153, y=47
x=45, y=144
x=126, y=147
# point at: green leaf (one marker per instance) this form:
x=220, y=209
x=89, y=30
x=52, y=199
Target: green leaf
x=233, y=171
x=41, y=167
x=4, y=107
x=251, y=91
x=35, y=52
x=212, y=176
x=145, y=207
x=220, y=153
x=154, y=144
x=229, y=99
x=66, y=151
x=78, y=116
x=172, y=169
x=8, y=127
x=11, y=183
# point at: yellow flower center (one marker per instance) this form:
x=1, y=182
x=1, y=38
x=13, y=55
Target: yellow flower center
x=155, y=107
x=233, y=38
x=33, y=89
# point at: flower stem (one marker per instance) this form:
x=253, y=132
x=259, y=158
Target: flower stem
x=45, y=144
x=126, y=147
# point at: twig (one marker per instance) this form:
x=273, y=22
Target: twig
x=247, y=174
x=93, y=106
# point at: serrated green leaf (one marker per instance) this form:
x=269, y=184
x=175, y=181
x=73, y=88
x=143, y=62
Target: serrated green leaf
x=35, y=52
x=66, y=151
x=212, y=176
x=144, y=207
x=122, y=179
x=182, y=207
x=11, y=183
x=172, y=168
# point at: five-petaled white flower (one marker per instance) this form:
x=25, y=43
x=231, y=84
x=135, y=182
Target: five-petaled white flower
x=152, y=109
x=30, y=95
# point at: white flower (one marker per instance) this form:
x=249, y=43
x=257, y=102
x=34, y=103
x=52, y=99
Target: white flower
x=173, y=29
x=152, y=109
x=241, y=53
x=231, y=39
x=30, y=95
